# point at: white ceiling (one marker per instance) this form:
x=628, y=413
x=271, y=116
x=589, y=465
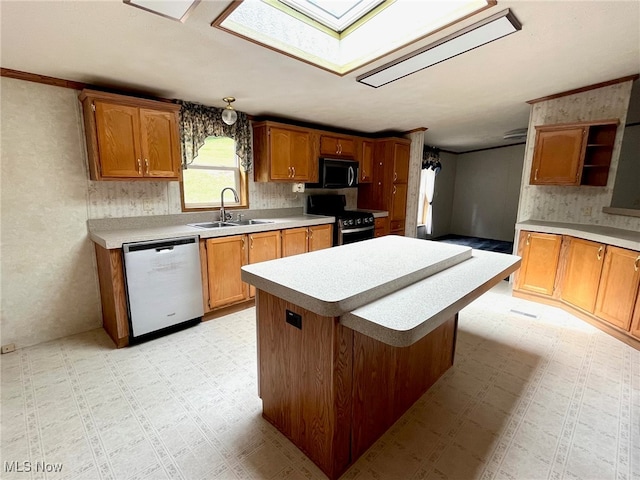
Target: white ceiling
x=466, y=103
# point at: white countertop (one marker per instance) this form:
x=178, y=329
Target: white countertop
x=115, y=238
x=333, y=281
x=394, y=289
x=597, y=233
x=404, y=317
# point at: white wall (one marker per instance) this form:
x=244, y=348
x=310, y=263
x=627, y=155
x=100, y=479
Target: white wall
x=487, y=186
x=49, y=284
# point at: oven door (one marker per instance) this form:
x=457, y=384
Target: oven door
x=351, y=235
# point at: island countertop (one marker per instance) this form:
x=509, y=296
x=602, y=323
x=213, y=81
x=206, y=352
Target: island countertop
x=337, y=280
x=393, y=289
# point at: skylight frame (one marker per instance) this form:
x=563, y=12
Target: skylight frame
x=231, y=21
x=326, y=18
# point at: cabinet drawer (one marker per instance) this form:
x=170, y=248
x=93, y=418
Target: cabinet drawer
x=397, y=225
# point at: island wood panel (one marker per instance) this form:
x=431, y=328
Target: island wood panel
x=115, y=317
x=387, y=380
x=305, y=381
x=582, y=273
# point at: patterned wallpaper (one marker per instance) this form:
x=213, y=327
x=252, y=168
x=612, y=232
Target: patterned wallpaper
x=576, y=204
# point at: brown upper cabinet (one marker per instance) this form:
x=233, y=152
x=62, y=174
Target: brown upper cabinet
x=573, y=154
x=338, y=146
x=130, y=138
x=365, y=161
x=282, y=153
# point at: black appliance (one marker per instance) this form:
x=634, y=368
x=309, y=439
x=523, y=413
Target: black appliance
x=351, y=226
x=336, y=173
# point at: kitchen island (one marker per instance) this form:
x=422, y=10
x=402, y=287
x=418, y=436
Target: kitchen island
x=350, y=337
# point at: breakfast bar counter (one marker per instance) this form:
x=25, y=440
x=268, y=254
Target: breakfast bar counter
x=350, y=337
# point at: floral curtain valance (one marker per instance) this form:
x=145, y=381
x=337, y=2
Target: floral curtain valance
x=197, y=122
x=431, y=158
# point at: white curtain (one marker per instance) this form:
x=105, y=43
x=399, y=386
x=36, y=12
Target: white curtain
x=427, y=187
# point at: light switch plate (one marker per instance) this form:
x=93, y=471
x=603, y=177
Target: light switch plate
x=298, y=187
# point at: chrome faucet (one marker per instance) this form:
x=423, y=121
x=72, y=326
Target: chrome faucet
x=224, y=216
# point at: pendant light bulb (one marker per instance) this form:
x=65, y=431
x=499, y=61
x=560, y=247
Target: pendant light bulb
x=229, y=115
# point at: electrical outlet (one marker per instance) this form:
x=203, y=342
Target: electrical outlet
x=586, y=211
x=298, y=187
x=147, y=205
x=8, y=348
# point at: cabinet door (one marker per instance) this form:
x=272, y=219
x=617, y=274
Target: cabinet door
x=118, y=132
x=366, y=161
x=618, y=286
x=381, y=227
x=635, y=323
x=159, y=143
x=225, y=257
x=294, y=241
x=337, y=146
x=280, y=151
x=320, y=236
x=398, y=202
x=300, y=156
x=401, y=163
x=558, y=156
x=582, y=273
x=262, y=247
x=540, y=255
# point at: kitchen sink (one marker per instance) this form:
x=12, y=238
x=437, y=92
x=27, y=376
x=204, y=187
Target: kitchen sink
x=211, y=225
x=250, y=222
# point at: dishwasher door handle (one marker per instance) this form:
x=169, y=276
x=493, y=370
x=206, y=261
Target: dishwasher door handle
x=164, y=249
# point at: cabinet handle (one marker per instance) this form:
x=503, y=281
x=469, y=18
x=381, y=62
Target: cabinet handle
x=294, y=172
x=146, y=164
x=636, y=264
x=394, y=189
x=250, y=241
x=528, y=239
x=600, y=253
x=290, y=172
x=395, y=176
x=243, y=242
x=535, y=177
x=310, y=234
x=139, y=167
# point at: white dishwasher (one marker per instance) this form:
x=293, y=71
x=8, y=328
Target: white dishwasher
x=164, y=286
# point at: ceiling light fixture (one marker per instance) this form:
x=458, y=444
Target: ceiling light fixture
x=229, y=115
x=175, y=9
x=473, y=36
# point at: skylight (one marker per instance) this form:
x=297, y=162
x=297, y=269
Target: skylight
x=334, y=14
x=377, y=27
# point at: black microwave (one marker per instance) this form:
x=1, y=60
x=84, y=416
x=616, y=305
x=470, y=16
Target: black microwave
x=336, y=173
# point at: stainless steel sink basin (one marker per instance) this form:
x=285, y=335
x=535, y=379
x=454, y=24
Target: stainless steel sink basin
x=250, y=222
x=211, y=225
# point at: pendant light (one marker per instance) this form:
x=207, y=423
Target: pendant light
x=229, y=115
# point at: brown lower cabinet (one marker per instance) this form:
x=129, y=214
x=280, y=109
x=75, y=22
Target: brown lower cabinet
x=582, y=273
x=381, y=227
x=225, y=257
x=221, y=259
x=540, y=253
x=618, y=287
x=599, y=283
x=306, y=239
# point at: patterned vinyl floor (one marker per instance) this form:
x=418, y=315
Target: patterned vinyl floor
x=534, y=394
